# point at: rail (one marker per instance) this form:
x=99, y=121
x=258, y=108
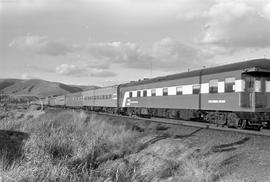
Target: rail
x=263, y=132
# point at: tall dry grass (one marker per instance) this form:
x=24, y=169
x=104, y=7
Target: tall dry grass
x=66, y=146
x=71, y=146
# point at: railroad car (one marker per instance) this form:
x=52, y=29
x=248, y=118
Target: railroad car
x=51, y=101
x=74, y=100
x=101, y=99
x=45, y=101
x=237, y=95
x=60, y=101
x=35, y=102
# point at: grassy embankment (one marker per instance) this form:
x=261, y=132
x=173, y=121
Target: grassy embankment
x=74, y=146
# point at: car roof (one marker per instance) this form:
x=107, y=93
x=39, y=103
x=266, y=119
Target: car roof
x=258, y=63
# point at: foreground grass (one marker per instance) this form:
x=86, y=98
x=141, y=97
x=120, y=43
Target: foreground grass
x=66, y=146
x=74, y=146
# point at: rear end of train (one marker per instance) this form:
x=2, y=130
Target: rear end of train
x=236, y=95
x=237, y=98
x=257, y=94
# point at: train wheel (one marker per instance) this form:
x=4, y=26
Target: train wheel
x=221, y=118
x=210, y=117
x=218, y=118
x=243, y=124
x=258, y=128
x=233, y=120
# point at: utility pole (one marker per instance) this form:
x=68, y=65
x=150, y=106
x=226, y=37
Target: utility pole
x=151, y=68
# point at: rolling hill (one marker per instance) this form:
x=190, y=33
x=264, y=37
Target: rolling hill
x=39, y=88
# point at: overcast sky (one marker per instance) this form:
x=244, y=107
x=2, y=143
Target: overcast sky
x=103, y=42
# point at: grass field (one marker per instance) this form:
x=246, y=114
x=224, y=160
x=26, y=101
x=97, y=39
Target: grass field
x=74, y=146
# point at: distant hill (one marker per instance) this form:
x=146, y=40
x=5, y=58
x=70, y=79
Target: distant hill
x=39, y=88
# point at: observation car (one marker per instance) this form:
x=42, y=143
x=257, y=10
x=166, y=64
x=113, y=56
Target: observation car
x=237, y=95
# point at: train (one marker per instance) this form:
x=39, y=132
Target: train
x=235, y=95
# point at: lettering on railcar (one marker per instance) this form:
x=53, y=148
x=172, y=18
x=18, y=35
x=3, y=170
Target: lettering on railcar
x=216, y=101
x=131, y=102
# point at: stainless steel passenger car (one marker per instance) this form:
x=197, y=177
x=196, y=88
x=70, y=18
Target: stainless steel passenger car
x=74, y=100
x=60, y=101
x=101, y=99
x=45, y=101
x=51, y=101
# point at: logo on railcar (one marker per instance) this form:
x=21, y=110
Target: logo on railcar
x=129, y=102
x=216, y=101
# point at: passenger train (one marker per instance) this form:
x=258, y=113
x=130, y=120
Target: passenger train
x=234, y=95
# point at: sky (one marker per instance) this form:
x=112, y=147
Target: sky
x=107, y=42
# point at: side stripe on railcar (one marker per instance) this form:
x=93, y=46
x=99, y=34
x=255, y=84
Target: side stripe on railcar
x=238, y=86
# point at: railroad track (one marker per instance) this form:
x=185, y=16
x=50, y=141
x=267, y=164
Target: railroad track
x=263, y=132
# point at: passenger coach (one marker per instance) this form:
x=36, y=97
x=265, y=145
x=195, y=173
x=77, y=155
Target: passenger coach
x=51, y=101
x=74, y=100
x=102, y=99
x=60, y=101
x=237, y=95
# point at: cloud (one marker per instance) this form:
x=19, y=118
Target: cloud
x=97, y=64
x=266, y=10
x=41, y=45
x=166, y=54
x=102, y=73
x=116, y=52
x=236, y=24
x=41, y=69
x=82, y=71
x=67, y=69
x=169, y=54
x=242, y=27
x=26, y=76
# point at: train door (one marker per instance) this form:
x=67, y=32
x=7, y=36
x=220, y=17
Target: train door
x=246, y=97
x=256, y=91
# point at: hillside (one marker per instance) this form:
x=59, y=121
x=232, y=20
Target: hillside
x=40, y=88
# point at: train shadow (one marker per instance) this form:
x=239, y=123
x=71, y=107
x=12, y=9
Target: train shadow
x=188, y=135
x=229, y=146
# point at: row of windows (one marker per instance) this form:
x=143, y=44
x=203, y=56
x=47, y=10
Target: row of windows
x=229, y=85
x=98, y=97
x=250, y=84
x=77, y=98
x=257, y=84
x=247, y=85
x=179, y=91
